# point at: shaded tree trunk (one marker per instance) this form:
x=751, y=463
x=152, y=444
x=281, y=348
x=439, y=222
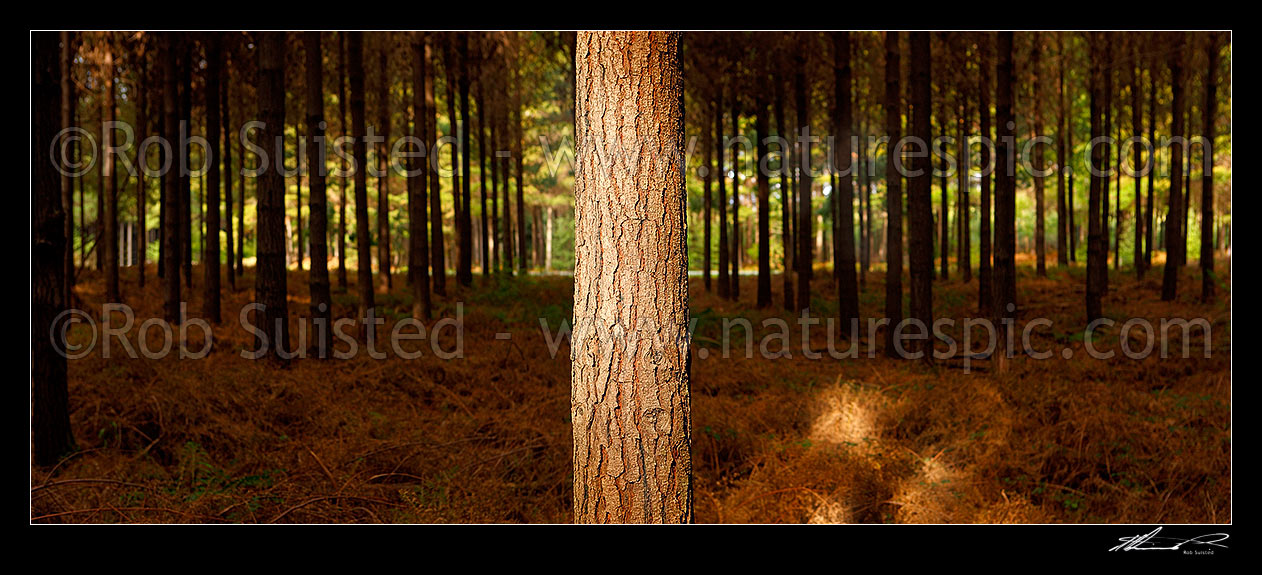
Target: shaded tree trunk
x=270, y=282
x=1207, y=173
x=417, y=228
x=1097, y=266
x=764, y=195
x=804, y=257
x=171, y=183
x=51, y=435
x=632, y=460
x=465, y=271
x=919, y=195
x=517, y=138
x=342, y=117
x=437, y=251
x=1062, y=159
x=725, y=282
x=69, y=101
x=844, y=230
x=225, y=103
x=383, y=163
x=210, y=260
x=363, y=232
x=1175, y=247
x=893, y=192
x=1005, y=271
x=786, y=186
x=109, y=184
x=736, y=255
x=1040, y=206
x=318, y=279
x=985, y=274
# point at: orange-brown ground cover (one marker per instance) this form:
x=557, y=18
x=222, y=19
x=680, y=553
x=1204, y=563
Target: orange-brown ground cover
x=487, y=438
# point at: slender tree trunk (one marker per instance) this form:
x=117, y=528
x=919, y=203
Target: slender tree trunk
x=342, y=117
x=725, y=282
x=1040, y=206
x=142, y=131
x=1005, y=282
x=417, y=233
x=893, y=192
x=764, y=196
x=318, y=279
x=185, y=213
x=804, y=257
x=171, y=182
x=1137, y=130
x=786, y=185
x=518, y=135
x=482, y=130
x=1062, y=159
x=383, y=164
x=109, y=183
x=736, y=255
x=465, y=272
x=963, y=231
x=985, y=275
x=225, y=102
x=51, y=435
x=1207, y=171
x=920, y=196
x=69, y=102
x=363, y=232
x=707, y=141
x=1097, y=267
x=437, y=251
x=210, y=261
x=944, y=218
x=1175, y=247
x=270, y=283
x=632, y=460
x=847, y=282
x=1150, y=206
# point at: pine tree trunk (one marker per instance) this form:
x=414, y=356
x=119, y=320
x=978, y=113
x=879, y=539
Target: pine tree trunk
x=437, y=251
x=383, y=163
x=920, y=196
x=985, y=274
x=225, y=103
x=210, y=261
x=69, y=102
x=342, y=118
x=270, y=282
x=1209, y=111
x=109, y=183
x=465, y=272
x=1062, y=159
x=318, y=279
x=1005, y=282
x=1175, y=247
x=417, y=201
x=363, y=231
x=736, y=254
x=843, y=195
x=786, y=186
x=51, y=435
x=632, y=461
x=1097, y=266
x=764, y=196
x=171, y=183
x=517, y=155
x=1036, y=96
x=725, y=282
x=707, y=142
x=893, y=192
x=803, y=258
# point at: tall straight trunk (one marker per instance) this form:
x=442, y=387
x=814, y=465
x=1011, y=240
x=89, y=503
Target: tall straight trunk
x=69, y=101
x=1106, y=109
x=451, y=71
x=109, y=183
x=185, y=213
x=270, y=283
x=764, y=199
x=1005, y=282
x=383, y=164
x=865, y=203
x=171, y=182
x=1150, y=205
x=482, y=130
x=1062, y=159
x=241, y=204
x=893, y=191
x=437, y=251
x=963, y=232
x=547, y=240
x=465, y=271
x=737, y=254
x=226, y=127
x=1097, y=266
x=707, y=141
x=210, y=259
x=496, y=136
x=985, y=275
x=344, y=123
x=944, y=218
x=632, y=461
x=51, y=435
x=363, y=232
x=505, y=173
x=1040, y=206
x=803, y=258
x=1137, y=129
x=142, y=131
x=786, y=210
x=318, y=279
x=920, y=195
x=847, y=281
x=417, y=201
x=1209, y=111
x=299, y=146
x=725, y=282
x=1175, y=247
x=518, y=135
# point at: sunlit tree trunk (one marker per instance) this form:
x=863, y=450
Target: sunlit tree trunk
x=51, y=436
x=631, y=399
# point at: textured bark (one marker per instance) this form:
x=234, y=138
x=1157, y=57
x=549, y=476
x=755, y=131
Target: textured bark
x=985, y=273
x=270, y=283
x=363, y=232
x=1176, y=248
x=417, y=229
x=1209, y=111
x=51, y=436
x=483, y=116
x=736, y=253
x=847, y=281
x=318, y=278
x=786, y=186
x=1005, y=270
x=465, y=271
x=919, y=194
x=141, y=93
x=1135, y=73
x=184, y=156
x=631, y=398
x=225, y=101
x=518, y=135
x=893, y=192
x=1150, y=206
x=171, y=185
x=707, y=142
x=210, y=260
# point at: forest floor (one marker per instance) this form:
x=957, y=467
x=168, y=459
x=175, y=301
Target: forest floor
x=487, y=438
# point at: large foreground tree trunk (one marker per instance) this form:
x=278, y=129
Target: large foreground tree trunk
x=270, y=282
x=893, y=192
x=847, y=281
x=417, y=228
x=920, y=195
x=631, y=399
x=363, y=232
x=1005, y=280
x=51, y=436
x=318, y=279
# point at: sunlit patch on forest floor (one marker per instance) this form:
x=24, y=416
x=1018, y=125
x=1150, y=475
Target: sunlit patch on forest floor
x=487, y=438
